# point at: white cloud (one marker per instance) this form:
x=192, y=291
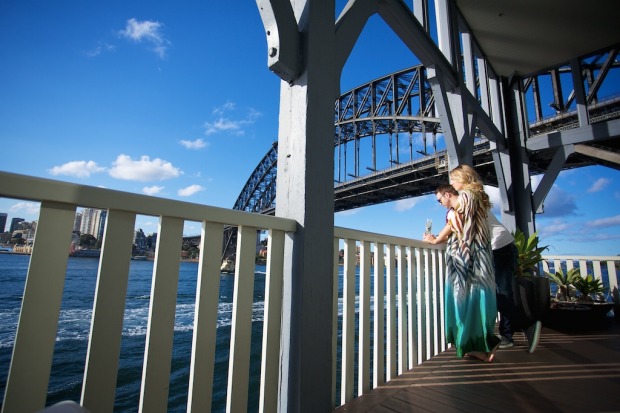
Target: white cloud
x=599, y=185
x=349, y=212
x=225, y=107
x=190, y=190
x=101, y=47
x=195, y=144
x=554, y=228
x=143, y=170
x=405, y=204
x=605, y=222
x=79, y=169
x=31, y=208
x=149, y=32
x=152, y=190
x=224, y=123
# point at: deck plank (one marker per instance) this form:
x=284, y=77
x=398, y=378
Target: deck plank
x=569, y=372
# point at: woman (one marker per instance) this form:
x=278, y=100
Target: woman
x=470, y=303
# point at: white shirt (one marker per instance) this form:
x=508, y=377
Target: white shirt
x=500, y=236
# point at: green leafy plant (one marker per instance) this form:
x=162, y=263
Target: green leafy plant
x=529, y=253
x=587, y=286
x=564, y=280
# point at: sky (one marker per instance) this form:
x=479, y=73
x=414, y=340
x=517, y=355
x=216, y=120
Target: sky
x=175, y=100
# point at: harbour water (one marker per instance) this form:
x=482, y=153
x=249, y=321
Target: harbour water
x=74, y=325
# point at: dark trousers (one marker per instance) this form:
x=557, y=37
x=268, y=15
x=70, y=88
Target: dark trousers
x=510, y=318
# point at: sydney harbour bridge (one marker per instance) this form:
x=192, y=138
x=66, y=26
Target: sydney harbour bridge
x=388, y=138
x=388, y=141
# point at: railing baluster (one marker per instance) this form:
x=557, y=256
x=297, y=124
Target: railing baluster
x=26, y=387
x=390, y=284
x=336, y=274
x=160, y=328
x=363, y=363
x=435, y=328
x=104, y=344
x=442, y=314
x=272, y=318
x=202, y=362
x=596, y=270
x=379, y=320
x=426, y=328
x=412, y=312
x=419, y=297
x=402, y=309
x=613, y=282
x=241, y=330
x=348, y=322
x=583, y=268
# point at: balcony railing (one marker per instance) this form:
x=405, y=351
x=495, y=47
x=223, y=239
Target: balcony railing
x=29, y=374
x=387, y=302
x=413, y=277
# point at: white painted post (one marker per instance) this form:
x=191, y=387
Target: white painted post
x=305, y=193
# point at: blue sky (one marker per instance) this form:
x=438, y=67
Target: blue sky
x=175, y=100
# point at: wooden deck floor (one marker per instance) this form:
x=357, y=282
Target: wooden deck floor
x=569, y=372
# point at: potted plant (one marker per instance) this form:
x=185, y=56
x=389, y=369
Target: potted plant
x=531, y=291
x=564, y=282
x=578, y=304
x=588, y=287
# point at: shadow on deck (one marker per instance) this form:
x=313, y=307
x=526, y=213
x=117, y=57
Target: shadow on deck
x=569, y=372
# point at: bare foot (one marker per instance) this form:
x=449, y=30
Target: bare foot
x=490, y=356
x=479, y=355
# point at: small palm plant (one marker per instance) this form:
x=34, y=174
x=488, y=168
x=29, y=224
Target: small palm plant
x=529, y=254
x=587, y=286
x=565, y=281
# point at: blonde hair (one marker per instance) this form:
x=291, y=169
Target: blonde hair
x=471, y=181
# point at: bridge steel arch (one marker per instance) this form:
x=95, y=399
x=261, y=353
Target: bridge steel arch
x=402, y=104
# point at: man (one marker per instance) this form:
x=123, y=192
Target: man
x=505, y=257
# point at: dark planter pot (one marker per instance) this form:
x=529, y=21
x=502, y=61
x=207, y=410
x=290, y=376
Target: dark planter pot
x=578, y=315
x=532, y=296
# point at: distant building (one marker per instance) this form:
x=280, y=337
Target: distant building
x=22, y=249
x=93, y=222
x=101, y=227
x=15, y=224
x=78, y=222
x=151, y=241
x=140, y=240
x=3, y=218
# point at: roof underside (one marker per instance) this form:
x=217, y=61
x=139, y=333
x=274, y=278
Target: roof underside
x=527, y=36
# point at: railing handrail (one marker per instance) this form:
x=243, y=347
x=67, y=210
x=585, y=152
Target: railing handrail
x=344, y=233
x=37, y=189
